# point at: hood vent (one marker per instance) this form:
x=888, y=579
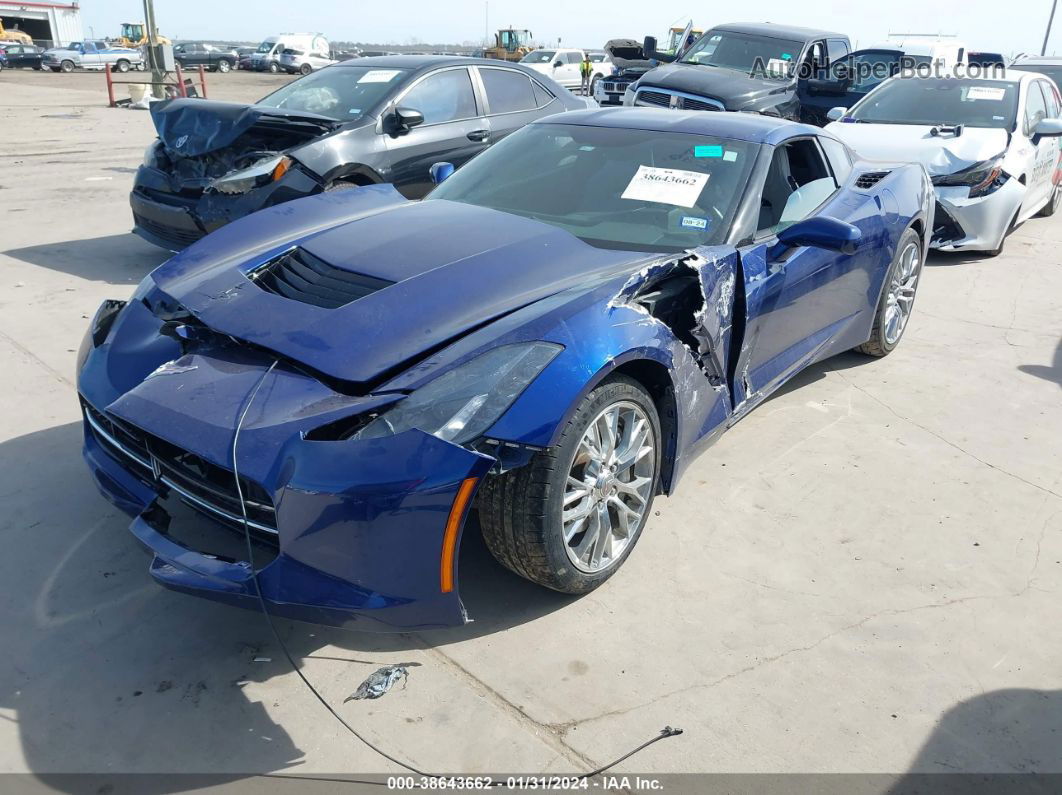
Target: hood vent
x=870, y=179
x=299, y=275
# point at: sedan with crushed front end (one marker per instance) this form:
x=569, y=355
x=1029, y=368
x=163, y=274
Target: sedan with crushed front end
x=550, y=336
x=351, y=124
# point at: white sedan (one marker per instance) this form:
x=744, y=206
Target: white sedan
x=990, y=145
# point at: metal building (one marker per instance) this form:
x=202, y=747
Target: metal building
x=50, y=24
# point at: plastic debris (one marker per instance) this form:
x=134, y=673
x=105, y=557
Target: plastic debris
x=379, y=682
x=263, y=659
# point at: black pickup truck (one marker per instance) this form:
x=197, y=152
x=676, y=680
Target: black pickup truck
x=761, y=67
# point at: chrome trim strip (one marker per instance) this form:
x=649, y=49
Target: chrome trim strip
x=180, y=490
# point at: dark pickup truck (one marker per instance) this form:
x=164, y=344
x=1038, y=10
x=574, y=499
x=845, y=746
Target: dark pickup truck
x=762, y=67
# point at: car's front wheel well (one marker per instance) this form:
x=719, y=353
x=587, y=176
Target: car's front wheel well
x=657, y=382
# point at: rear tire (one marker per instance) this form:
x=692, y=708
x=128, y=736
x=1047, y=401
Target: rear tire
x=224, y=66
x=305, y=69
x=121, y=66
x=897, y=297
x=521, y=512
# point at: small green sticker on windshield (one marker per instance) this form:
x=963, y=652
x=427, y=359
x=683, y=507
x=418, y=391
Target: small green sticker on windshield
x=786, y=56
x=707, y=151
x=730, y=156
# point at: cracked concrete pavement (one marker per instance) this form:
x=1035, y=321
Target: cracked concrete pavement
x=862, y=576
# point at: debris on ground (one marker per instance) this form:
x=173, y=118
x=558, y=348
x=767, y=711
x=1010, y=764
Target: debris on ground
x=380, y=681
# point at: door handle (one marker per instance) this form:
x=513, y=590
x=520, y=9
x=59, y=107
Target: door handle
x=479, y=135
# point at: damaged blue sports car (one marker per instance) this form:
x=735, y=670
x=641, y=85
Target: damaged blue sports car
x=548, y=339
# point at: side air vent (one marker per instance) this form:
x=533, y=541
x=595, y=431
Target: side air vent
x=870, y=179
x=300, y=276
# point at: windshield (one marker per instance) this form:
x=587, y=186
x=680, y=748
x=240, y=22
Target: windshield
x=940, y=100
x=538, y=56
x=343, y=92
x=1054, y=72
x=637, y=190
x=266, y=46
x=743, y=52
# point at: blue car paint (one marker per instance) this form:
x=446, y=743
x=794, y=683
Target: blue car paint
x=361, y=522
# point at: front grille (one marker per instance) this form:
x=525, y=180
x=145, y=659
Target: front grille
x=178, y=237
x=688, y=103
x=299, y=275
x=201, y=484
x=658, y=98
x=614, y=88
x=869, y=179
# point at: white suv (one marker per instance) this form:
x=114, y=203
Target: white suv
x=298, y=61
x=561, y=65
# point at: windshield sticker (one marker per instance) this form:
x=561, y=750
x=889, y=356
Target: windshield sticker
x=786, y=56
x=776, y=66
x=707, y=151
x=379, y=75
x=586, y=148
x=730, y=156
x=692, y=222
x=985, y=92
x=666, y=186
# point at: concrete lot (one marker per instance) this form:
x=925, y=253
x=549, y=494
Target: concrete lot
x=864, y=576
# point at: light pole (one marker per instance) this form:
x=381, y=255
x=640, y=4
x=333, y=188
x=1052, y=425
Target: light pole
x=1050, y=20
x=157, y=75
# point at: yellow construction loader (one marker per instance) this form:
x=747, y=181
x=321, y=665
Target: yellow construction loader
x=510, y=44
x=134, y=34
x=15, y=35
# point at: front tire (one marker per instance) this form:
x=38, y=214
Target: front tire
x=897, y=297
x=570, y=517
x=66, y=66
x=274, y=67
x=1051, y=207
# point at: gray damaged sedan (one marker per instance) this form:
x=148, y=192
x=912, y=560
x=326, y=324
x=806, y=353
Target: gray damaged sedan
x=355, y=123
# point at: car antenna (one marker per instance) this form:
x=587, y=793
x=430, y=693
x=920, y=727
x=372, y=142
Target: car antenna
x=664, y=733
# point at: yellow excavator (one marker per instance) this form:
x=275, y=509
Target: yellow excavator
x=18, y=36
x=510, y=44
x=134, y=34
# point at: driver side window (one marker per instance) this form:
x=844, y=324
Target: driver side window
x=1035, y=108
x=797, y=182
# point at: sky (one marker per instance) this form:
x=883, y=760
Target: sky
x=1016, y=27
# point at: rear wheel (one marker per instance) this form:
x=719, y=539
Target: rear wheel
x=569, y=518
x=224, y=66
x=121, y=66
x=66, y=66
x=897, y=297
x=305, y=69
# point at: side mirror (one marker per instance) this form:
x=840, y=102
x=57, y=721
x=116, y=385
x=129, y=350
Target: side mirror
x=557, y=64
x=835, y=114
x=649, y=47
x=827, y=88
x=822, y=231
x=440, y=172
x=1048, y=128
x=407, y=118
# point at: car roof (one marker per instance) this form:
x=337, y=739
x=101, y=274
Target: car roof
x=777, y=31
x=420, y=61
x=1043, y=60
x=750, y=127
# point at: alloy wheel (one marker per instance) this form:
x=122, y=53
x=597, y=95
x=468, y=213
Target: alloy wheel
x=609, y=486
x=902, y=289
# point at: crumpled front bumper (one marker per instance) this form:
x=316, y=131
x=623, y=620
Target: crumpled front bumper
x=366, y=532
x=977, y=224
x=174, y=221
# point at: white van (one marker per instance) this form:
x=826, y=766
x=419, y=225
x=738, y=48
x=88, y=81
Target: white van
x=267, y=57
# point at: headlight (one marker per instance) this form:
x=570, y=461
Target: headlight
x=261, y=173
x=982, y=178
x=149, y=154
x=463, y=403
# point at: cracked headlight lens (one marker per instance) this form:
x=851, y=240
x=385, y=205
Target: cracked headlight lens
x=464, y=402
x=261, y=173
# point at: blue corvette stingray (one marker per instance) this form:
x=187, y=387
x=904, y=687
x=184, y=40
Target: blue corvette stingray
x=549, y=337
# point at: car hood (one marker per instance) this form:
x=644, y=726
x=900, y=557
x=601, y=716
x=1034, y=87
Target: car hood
x=735, y=89
x=444, y=269
x=940, y=154
x=627, y=54
x=192, y=127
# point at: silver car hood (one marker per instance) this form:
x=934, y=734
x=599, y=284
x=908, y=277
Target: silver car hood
x=940, y=154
